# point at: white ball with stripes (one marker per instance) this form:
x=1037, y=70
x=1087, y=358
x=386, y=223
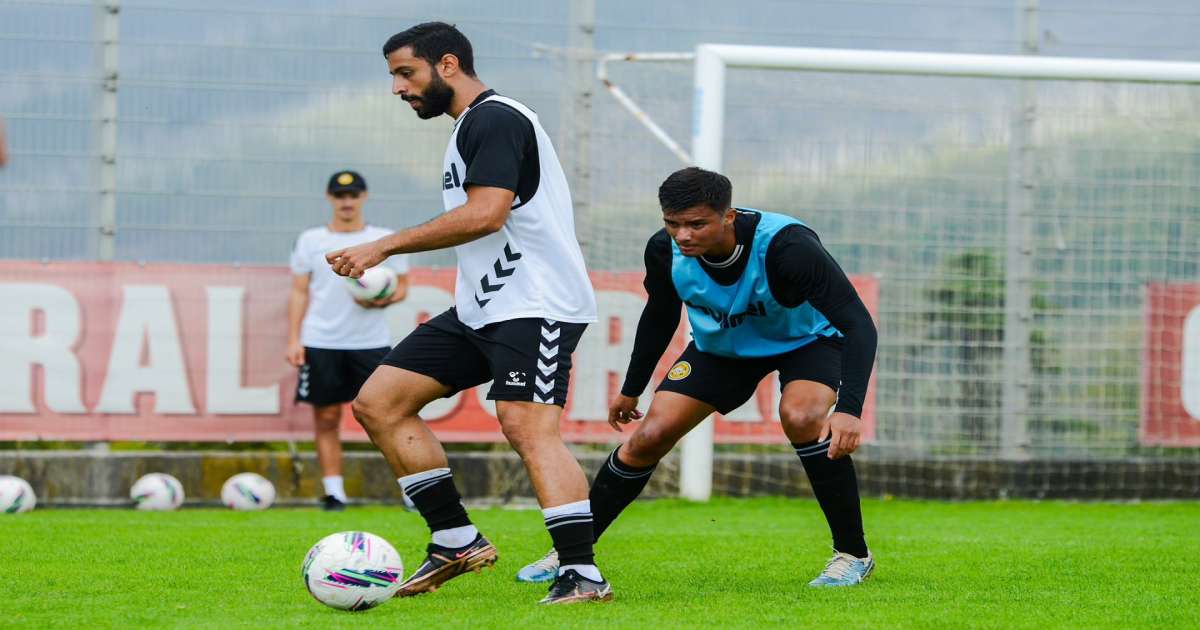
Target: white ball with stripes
x=376, y=283
x=352, y=571
x=248, y=491
x=16, y=495
x=157, y=492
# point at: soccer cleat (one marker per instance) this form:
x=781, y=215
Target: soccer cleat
x=330, y=503
x=443, y=564
x=844, y=569
x=570, y=587
x=544, y=570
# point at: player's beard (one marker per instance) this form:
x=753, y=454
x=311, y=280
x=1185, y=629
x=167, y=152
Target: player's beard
x=436, y=99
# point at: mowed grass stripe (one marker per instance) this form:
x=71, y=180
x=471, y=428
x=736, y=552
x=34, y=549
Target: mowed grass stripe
x=729, y=563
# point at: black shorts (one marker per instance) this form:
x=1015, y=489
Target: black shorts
x=526, y=359
x=726, y=382
x=330, y=377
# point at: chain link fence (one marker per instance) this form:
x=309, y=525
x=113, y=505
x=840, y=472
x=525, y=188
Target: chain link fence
x=230, y=118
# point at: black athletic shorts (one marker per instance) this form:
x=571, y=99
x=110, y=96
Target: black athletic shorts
x=330, y=377
x=526, y=359
x=726, y=382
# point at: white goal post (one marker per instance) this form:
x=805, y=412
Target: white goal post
x=711, y=62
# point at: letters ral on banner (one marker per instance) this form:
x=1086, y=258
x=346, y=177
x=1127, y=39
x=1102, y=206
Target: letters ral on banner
x=159, y=352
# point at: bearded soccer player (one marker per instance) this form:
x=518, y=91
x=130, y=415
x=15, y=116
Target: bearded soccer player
x=762, y=295
x=522, y=301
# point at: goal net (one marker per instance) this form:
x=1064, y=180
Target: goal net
x=1028, y=231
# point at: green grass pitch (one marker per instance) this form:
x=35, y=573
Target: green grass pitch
x=730, y=563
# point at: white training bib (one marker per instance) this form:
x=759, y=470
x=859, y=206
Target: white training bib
x=533, y=266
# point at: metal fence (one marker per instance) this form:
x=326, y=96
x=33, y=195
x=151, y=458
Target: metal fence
x=229, y=117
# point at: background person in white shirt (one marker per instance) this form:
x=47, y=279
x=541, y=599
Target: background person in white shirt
x=335, y=340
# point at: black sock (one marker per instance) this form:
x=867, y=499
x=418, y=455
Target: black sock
x=572, y=535
x=836, y=487
x=617, y=484
x=438, y=501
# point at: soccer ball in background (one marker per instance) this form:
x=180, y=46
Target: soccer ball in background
x=248, y=491
x=352, y=571
x=376, y=283
x=158, y=492
x=16, y=495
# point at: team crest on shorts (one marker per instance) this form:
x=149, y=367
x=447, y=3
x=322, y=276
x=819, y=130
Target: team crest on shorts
x=680, y=371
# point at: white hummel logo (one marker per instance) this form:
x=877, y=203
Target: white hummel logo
x=516, y=379
x=303, y=389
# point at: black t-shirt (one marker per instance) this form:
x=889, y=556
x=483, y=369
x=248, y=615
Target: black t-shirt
x=799, y=270
x=499, y=148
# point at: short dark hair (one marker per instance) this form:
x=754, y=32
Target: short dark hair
x=694, y=186
x=431, y=41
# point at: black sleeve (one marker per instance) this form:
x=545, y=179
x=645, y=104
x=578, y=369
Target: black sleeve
x=858, y=353
x=800, y=270
x=659, y=318
x=494, y=142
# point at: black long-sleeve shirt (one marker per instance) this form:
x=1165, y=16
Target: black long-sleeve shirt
x=799, y=270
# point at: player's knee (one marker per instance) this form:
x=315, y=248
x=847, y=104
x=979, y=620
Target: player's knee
x=328, y=420
x=524, y=437
x=646, y=446
x=804, y=414
x=369, y=412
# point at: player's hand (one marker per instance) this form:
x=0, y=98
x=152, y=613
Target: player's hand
x=353, y=261
x=844, y=432
x=295, y=353
x=623, y=410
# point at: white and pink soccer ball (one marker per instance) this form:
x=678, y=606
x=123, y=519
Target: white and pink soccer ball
x=352, y=571
x=16, y=495
x=248, y=491
x=376, y=283
x=157, y=492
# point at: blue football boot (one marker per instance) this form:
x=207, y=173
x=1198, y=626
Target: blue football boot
x=844, y=569
x=544, y=570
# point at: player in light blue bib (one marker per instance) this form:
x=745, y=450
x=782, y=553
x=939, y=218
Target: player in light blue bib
x=762, y=295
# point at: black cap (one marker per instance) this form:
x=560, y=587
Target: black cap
x=346, y=181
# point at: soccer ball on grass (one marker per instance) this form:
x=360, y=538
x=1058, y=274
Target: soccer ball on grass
x=352, y=571
x=158, y=492
x=248, y=491
x=16, y=495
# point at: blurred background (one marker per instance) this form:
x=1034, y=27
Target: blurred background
x=230, y=116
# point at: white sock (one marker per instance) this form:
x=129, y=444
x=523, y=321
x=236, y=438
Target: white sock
x=578, y=507
x=455, y=537
x=406, y=482
x=334, y=487
x=589, y=571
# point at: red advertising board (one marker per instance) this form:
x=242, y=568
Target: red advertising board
x=157, y=352
x=1171, y=366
